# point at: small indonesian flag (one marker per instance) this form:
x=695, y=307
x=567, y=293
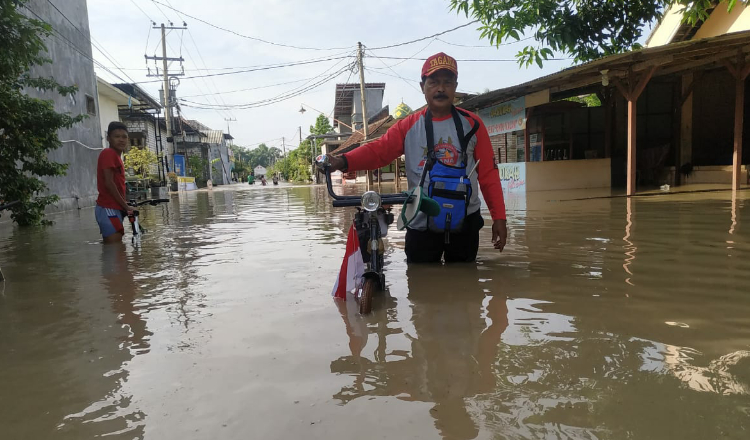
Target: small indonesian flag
x=352, y=268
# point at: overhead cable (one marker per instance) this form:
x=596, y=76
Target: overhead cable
x=260, y=40
x=269, y=67
x=425, y=38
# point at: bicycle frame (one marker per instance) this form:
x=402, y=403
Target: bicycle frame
x=386, y=201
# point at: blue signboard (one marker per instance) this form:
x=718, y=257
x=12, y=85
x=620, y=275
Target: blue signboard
x=179, y=164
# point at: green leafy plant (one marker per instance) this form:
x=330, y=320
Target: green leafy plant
x=28, y=126
x=583, y=29
x=140, y=160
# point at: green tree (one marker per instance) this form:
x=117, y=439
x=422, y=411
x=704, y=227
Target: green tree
x=583, y=29
x=140, y=160
x=590, y=100
x=28, y=126
x=322, y=125
x=197, y=167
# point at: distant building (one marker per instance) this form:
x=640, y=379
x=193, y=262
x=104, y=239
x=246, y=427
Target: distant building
x=259, y=171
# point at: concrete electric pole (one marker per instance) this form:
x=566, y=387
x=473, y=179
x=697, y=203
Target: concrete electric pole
x=167, y=98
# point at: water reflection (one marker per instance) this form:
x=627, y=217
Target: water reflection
x=450, y=351
x=221, y=324
x=114, y=412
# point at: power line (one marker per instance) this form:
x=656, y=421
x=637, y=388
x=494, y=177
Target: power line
x=200, y=55
x=91, y=40
x=270, y=67
x=162, y=12
x=504, y=60
x=397, y=75
x=425, y=38
x=341, y=94
x=73, y=46
x=252, y=88
x=144, y=12
x=219, y=69
x=247, y=36
x=270, y=101
x=486, y=46
x=275, y=99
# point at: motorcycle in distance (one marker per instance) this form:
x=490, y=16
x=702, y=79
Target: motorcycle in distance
x=371, y=221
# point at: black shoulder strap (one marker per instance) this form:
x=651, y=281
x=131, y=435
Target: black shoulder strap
x=463, y=140
x=473, y=130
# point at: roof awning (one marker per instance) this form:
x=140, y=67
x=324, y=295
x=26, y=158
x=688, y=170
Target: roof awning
x=676, y=58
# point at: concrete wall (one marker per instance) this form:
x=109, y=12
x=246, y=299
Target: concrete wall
x=709, y=175
x=69, y=67
x=568, y=174
x=374, y=103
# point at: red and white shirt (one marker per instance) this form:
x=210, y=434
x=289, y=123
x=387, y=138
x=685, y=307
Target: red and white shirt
x=409, y=137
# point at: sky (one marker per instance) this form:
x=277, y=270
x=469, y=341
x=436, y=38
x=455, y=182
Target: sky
x=319, y=30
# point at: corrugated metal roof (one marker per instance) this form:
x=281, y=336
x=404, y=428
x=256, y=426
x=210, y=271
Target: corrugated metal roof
x=214, y=136
x=673, y=58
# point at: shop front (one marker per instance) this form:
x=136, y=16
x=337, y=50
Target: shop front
x=541, y=145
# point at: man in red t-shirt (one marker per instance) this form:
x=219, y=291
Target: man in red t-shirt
x=111, y=206
x=409, y=137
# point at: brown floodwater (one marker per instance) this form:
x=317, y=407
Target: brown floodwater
x=605, y=318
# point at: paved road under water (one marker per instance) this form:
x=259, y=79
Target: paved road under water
x=604, y=318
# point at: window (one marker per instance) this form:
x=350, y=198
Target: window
x=90, y=105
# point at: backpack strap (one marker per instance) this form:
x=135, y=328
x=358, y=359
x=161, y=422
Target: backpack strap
x=463, y=140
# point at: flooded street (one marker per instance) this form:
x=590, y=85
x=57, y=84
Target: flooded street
x=605, y=318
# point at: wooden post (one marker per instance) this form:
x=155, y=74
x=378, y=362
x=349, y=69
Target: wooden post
x=634, y=90
x=739, y=106
x=631, y=145
x=398, y=174
x=739, y=71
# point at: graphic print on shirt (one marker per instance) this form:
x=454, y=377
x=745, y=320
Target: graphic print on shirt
x=445, y=152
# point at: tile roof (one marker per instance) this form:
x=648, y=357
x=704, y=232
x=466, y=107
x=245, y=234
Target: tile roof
x=376, y=129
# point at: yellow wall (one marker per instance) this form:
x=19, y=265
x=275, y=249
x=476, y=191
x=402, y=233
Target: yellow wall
x=722, y=22
x=666, y=29
x=719, y=23
x=568, y=174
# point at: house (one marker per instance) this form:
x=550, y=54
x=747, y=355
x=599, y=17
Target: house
x=259, y=171
x=644, y=134
x=192, y=138
x=347, y=111
x=132, y=106
x=712, y=90
x=146, y=125
x=71, y=65
x=377, y=127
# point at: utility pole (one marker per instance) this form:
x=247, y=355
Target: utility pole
x=228, y=120
x=167, y=99
x=283, y=145
x=360, y=55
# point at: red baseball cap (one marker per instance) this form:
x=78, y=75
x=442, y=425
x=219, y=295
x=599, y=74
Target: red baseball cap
x=439, y=61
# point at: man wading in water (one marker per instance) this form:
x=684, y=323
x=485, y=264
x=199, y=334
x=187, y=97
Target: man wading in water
x=111, y=206
x=452, y=147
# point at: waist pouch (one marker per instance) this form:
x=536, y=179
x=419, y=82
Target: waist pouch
x=451, y=189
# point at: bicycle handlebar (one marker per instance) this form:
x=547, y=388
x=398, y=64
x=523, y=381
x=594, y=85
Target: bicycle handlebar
x=346, y=201
x=9, y=204
x=152, y=202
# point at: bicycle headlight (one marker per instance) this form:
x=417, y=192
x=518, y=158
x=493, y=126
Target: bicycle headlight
x=370, y=201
